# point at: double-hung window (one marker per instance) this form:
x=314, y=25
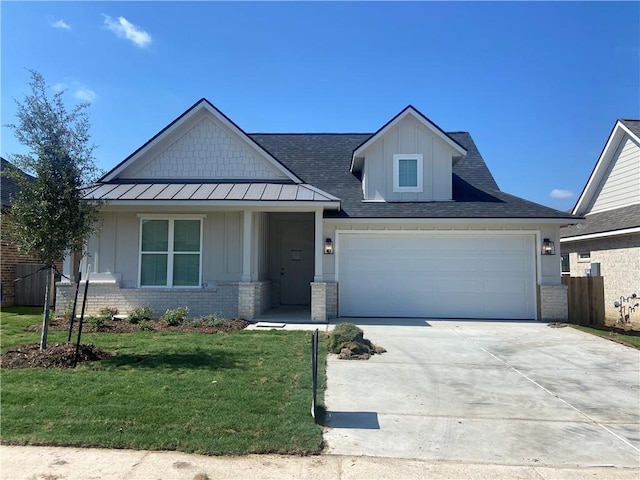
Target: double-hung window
x=170, y=252
x=407, y=172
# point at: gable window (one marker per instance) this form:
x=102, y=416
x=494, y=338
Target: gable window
x=170, y=251
x=407, y=172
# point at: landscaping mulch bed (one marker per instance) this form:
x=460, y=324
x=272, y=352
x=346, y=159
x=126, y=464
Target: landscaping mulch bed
x=124, y=326
x=56, y=355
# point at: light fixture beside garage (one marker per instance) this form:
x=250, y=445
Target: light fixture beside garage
x=328, y=247
x=548, y=247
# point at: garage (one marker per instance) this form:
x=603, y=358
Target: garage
x=436, y=275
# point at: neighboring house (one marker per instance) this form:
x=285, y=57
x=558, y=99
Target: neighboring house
x=9, y=256
x=610, y=235
x=405, y=222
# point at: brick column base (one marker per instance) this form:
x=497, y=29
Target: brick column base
x=324, y=301
x=553, y=305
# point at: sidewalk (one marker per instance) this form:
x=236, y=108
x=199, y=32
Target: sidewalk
x=53, y=463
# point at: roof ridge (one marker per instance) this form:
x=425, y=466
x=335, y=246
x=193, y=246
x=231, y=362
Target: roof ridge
x=309, y=133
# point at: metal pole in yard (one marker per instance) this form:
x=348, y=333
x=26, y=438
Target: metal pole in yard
x=314, y=371
x=75, y=305
x=84, y=304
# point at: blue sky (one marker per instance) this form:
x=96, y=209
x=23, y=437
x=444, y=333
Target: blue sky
x=538, y=85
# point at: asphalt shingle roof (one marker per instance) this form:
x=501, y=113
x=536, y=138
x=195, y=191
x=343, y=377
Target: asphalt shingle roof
x=323, y=161
x=633, y=125
x=8, y=187
x=609, y=221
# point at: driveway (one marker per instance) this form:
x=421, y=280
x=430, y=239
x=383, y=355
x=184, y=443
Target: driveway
x=510, y=393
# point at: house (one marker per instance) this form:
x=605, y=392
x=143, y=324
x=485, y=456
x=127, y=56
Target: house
x=30, y=291
x=610, y=235
x=405, y=222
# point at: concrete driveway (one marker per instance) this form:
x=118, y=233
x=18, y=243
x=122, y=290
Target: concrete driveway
x=508, y=393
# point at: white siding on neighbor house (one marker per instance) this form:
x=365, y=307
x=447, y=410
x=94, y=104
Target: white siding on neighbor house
x=408, y=137
x=206, y=150
x=621, y=184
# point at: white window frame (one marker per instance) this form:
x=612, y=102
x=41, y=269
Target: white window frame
x=585, y=259
x=170, y=252
x=396, y=172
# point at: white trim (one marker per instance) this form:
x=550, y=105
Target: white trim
x=396, y=172
x=445, y=220
x=614, y=233
x=170, y=251
x=407, y=111
x=172, y=216
x=199, y=107
x=594, y=212
x=537, y=257
x=602, y=165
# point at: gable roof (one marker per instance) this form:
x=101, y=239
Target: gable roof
x=201, y=105
x=621, y=128
x=8, y=187
x=613, y=222
x=323, y=159
x=409, y=110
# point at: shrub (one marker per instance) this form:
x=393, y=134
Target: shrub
x=139, y=314
x=214, y=320
x=175, y=317
x=95, y=321
x=145, y=326
x=108, y=312
x=344, y=335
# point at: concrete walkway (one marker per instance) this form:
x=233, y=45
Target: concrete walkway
x=508, y=393
x=50, y=463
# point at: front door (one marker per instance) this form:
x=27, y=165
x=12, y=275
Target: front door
x=296, y=263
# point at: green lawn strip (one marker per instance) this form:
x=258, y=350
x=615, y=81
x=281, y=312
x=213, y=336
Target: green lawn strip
x=222, y=394
x=631, y=339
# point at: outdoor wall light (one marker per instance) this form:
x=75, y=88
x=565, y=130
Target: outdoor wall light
x=548, y=247
x=328, y=247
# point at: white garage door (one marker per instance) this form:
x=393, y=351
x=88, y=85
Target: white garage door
x=435, y=275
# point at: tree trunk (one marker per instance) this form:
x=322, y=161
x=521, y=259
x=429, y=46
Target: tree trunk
x=45, y=317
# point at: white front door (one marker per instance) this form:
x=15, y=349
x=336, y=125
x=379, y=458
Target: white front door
x=437, y=275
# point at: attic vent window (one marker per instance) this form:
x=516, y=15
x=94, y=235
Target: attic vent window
x=407, y=172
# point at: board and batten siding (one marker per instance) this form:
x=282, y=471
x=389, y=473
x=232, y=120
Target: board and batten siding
x=408, y=137
x=621, y=184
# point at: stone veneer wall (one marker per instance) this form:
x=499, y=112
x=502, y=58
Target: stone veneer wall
x=553, y=305
x=222, y=300
x=324, y=301
x=619, y=259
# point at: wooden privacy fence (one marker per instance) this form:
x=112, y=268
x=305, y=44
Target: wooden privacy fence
x=585, y=297
x=29, y=289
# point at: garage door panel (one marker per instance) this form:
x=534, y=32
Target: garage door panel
x=435, y=275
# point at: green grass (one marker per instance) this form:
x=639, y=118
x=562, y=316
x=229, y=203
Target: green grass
x=630, y=339
x=223, y=394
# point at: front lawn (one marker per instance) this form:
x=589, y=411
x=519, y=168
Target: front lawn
x=220, y=394
x=629, y=338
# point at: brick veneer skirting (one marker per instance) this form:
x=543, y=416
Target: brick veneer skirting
x=553, y=304
x=324, y=301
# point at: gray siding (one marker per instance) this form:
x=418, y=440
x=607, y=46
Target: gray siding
x=408, y=137
x=621, y=184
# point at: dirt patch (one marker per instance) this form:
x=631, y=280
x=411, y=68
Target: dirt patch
x=124, y=326
x=56, y=355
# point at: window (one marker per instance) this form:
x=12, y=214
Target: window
x=170, y=252
x=407, y=172
x=566, y=269
x=584, y=256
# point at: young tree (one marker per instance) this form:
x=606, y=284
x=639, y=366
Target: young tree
x=49, y=217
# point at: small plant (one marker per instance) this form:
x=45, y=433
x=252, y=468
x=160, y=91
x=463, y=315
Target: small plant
x=108, y=312
x=96, y=322
x=214, y=320
x=145, y=326
x=175, y=317
x=139, y=314
x=196, y=322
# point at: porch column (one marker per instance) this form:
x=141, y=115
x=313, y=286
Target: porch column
x=319, y=247
x=246, y=245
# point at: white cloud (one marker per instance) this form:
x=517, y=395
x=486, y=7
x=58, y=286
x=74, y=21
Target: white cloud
x=61, y=24
x=561, y=193
x=85, y=94
x=123, y=28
